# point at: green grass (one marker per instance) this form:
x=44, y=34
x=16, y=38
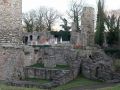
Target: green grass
x=38, y=65
x=79, y=81
x=111, y=88
x=62, y=67
x=4, y=87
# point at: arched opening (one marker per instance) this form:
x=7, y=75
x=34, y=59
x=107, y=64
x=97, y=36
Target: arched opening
x=38, y=37
x=97, y=72
x=25, y=40
x=31, y=37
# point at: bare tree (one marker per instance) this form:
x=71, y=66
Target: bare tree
x=28, y=20
x=51, y=16
x=40, y=23
x=75, y=11
x=39, y=20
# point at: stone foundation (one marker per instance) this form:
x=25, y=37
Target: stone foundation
x=42, y=73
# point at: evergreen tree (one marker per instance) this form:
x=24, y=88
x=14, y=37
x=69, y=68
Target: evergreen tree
x=113, y=27
x=99, y=35
x=65, y=25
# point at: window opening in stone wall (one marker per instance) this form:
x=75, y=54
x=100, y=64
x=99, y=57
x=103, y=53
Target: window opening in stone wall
x=26, y=40
x=31, y=37
x=97, y=72
x=38, y=37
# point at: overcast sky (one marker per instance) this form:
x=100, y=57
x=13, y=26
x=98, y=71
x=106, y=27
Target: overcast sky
x=62, y=5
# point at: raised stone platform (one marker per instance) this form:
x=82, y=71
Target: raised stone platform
x=42, y=73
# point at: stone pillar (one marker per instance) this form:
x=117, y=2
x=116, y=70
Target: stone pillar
x=74, y=34
x=87, y=26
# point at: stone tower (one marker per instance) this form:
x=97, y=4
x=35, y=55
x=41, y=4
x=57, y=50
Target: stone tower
x=85, y=36
x=10, y=21
x=87, y=26
x=11, y=57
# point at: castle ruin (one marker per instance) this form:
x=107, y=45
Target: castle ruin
x=14, y=57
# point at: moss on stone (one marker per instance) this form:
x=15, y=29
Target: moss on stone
x=62, y=67
x=39, y=65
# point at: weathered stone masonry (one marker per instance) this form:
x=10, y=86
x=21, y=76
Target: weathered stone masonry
x=12, y=54
x=10, y=21
x=14, y=57
x=85, y=36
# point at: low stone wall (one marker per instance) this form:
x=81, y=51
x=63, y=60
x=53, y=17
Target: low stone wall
x=27, y=84
x=41, y=73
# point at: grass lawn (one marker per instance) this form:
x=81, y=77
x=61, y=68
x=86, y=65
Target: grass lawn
x=4, y=87
x=39, y=65
x=111, y=88
x=79, y=81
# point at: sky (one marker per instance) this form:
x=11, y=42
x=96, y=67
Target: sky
x=62, y=5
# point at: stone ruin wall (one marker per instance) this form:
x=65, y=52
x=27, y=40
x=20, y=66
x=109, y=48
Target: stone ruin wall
x=13, y=56
x=10, y=21
x=12, y=61
x=54, y=55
